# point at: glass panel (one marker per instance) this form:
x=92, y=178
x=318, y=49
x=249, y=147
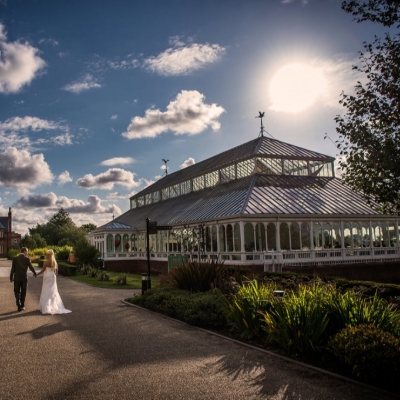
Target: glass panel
x=198, y=183
x=208, y=239
x=295, y=236
x=347, y=235
x=214, y=239
x=140, y=201
x=165, y=193
x=318, y=243
x=117, y=242
x=133, y=203
x=110, y=243
x=248, y=237
x=260, y=234
x=392, y=234
x=284, y=236
x=357, y=235
x=337, y=233
x=125, y=241
x=174, y=190
x=185, y=187
x=148, y=198
x=271, y=236
x=156, y=196
x=133, y=242
x=270, y=166
x=321, y=168
x=222, y=238
x=327, y=236
x=211, y=179
x=305, y=236
x=385, y=234
x=141, y=243
x=229, y=237
x=245, y=168
x=227, y=174
x=237, y=241
x=295, y=167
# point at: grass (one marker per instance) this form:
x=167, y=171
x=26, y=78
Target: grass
x=134, y=281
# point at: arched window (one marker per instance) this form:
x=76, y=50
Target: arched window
x=126, y=244
x=214, y=239
x=237, y=240
x=229, y=237
x=110, y=243
x=318, y=242
x=376, y=234
x=133, y=242
x=117, y=242
x=284, y=236
x=385, y=234
x=347, y=235
x=295, y=236
x=260, y=236
x=357, y=235
x=392, y=234
x=222, y=238
x=141, y=243
x=337, y=233
x=327, y=239
x=271, y=236
x=305, y=236
x=249, y=237
x=365, y=234
x=207, y=239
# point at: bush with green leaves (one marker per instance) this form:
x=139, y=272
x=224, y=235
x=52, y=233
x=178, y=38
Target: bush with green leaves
x=298, y=322
x=92, y=272
x=62, y=253
x=368, y=353
x=203, y=309
x=198, y=276
x=103, y=275
x=351, y=308
x=13, y=253
x=121, y=279
x=244, y=310
x=84, y=269
x=85, y=252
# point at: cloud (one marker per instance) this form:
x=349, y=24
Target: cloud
x=115, y=195
x=50, y=41
x=188, y=114
x=86, y=83
x=117, y=161
x=51, y=201
x=19, y=64
x=115, y=116
x=102, y=64
x=18, y=169
x=107, y=180
x=187, y=163
x=14, y=133
x=64, y=178
x=182, y=60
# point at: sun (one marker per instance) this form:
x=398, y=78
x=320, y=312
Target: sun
x=295, y=87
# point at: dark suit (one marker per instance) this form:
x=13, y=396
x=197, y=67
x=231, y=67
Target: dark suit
x=19, y=274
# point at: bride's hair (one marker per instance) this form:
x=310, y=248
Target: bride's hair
x=50, y=257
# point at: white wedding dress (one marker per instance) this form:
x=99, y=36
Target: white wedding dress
x=50, y=301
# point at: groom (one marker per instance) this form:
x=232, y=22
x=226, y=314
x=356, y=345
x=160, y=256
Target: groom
x=18, y=275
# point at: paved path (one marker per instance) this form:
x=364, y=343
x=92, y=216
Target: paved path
x=107, y=350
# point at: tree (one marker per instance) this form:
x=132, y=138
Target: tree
x=369, y=132
x=85, y=252
x=88, y=227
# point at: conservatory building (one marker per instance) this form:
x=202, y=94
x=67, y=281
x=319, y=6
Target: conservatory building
x=264, y=203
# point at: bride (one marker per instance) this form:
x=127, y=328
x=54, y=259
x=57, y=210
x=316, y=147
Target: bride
x=50, y=301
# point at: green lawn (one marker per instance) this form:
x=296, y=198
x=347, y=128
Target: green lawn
x=134, y=281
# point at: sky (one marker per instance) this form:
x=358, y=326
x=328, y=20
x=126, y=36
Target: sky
x=94, y=94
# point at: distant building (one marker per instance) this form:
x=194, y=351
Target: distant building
x=265, y=204
x=8, y=238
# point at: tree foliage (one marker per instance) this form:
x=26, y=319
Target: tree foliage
x=369, y=132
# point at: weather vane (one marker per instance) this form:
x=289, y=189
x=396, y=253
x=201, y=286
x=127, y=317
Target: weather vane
x=262, y=130
x=166, y=167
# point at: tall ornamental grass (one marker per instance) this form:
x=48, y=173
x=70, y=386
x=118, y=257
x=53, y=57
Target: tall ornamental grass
x=298, y=322
x=244, y=310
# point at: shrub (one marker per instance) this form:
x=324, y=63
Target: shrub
x=13, y=253
x=84, y=269
x=369, y=353
x=121, y=279
x=198, y=276
x=103, y=276
x=243, y=312
x=66, y=269
x=92, y=272
x=62, y=253
x=85, y=253
x=201, y=309
x=298, y=322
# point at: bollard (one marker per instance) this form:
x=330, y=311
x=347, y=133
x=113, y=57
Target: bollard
x=144, y=282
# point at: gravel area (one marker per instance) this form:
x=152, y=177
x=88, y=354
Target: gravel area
x=106, y=349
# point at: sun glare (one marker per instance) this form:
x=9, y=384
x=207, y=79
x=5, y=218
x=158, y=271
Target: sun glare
x=295, y=87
